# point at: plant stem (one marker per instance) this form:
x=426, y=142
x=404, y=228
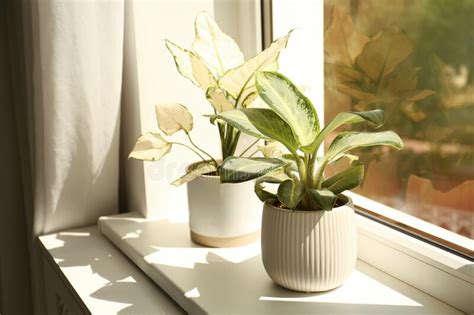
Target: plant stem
x=190, y=148
x=230, y=139
x=319, y=175
x=309, y=172
x=249, y=147
x=234, y=141
x=302, y=164
x=192, y=142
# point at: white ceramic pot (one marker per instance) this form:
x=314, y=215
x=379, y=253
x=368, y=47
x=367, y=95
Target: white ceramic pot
x=309, y=251
x=223, y=215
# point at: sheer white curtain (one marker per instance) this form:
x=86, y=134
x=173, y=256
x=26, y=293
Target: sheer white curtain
x=71, y=117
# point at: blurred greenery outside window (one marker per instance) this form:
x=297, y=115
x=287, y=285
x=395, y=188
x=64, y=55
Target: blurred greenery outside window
x=414, y=60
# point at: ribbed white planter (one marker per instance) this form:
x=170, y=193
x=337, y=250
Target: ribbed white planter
x=223, y=215
x=309, y=251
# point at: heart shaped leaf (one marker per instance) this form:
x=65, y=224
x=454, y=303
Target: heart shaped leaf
x=283, y=97
x=150, y=147
x=290, y=193
x=173, y=117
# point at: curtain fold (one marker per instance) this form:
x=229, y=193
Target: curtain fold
x=70, y=55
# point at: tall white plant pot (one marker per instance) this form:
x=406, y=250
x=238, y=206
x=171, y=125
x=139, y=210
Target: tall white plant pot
x=223, y=215
x=309, y=251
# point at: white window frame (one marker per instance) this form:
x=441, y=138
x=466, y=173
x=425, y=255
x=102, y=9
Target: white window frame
x=438, y=272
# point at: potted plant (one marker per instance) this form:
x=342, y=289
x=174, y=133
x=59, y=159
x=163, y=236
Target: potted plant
x=219, y=215
x=308, y=229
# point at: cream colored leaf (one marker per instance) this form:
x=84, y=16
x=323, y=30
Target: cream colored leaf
x=216, y=48
x=150, y=147
x=191, y=66
x=218, y=100
x=173, y=117
x=200, y=169
x=342, y=41
x=243, y=77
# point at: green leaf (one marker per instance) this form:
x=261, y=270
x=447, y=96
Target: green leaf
x=263, y=194
x=150, y=147
x=276, y=176
x=190, y=66
x=237, y=170
x=216, y=48
x=239, y=120
x=272, y=126
x=374, y=117
x=200, y=169
x=241, y=80
x=283, y=97
x=219, y=100
x=173, y=117
x=345, y=180
x=290, y=193
x=324, y=198
x=350, y=140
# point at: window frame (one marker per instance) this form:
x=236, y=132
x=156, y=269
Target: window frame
x=438, y=258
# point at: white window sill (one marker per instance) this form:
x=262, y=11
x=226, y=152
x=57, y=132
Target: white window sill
x=215, y=281
x=86, y=274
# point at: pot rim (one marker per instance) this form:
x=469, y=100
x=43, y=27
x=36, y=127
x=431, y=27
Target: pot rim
x=269, y=203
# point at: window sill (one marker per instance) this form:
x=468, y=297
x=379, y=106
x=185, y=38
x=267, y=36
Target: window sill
x=85, y=274
x=441, y=274
x=207, y=280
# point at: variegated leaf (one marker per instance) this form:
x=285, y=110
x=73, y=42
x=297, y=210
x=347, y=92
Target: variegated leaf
x=219, y=100
x=191, y=66
x=283, y=97
x=200, y=169
x=241, y=80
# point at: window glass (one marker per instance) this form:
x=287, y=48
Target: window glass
x=414, y=60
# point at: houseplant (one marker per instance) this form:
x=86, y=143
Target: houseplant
x=216, y=65
x=308, y=230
